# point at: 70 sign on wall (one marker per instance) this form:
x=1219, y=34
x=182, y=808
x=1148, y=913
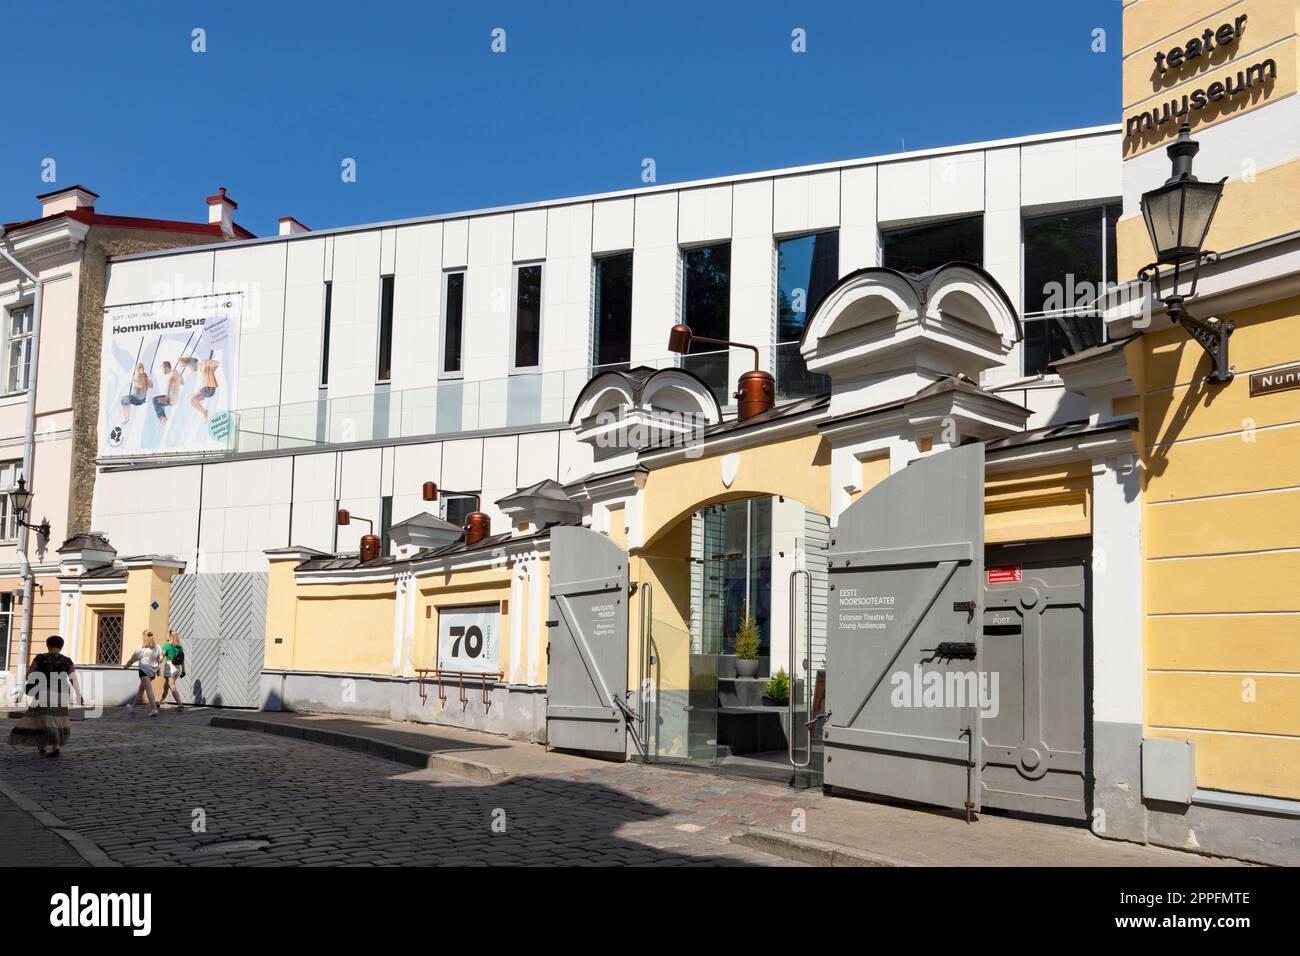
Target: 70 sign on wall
x=468, y=638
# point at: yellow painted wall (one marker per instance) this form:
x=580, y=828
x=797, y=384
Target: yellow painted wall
x=1221, y=540
x=459, y=589
x=798, y=468
x=281, y=613
x=1054, y=501
x=1257, y=204
x=344, y=628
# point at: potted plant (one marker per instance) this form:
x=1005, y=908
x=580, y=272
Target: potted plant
x=747, y=642
x=778, y=690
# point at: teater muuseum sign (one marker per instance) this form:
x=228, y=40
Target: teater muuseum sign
x=1210, y=96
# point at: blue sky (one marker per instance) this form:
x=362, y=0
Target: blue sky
x=437, y=122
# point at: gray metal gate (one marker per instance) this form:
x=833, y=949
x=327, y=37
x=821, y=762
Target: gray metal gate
x=587, y=655
x=1035, y=639
x=222, y=622
x=907, y=576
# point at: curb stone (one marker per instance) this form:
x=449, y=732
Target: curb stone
x=384, y=750
x=85, y=848
x=807, y=850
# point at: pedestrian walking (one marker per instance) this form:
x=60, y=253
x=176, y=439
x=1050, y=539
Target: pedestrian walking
x=173, y=668
x=147, y=659
x=52, y=678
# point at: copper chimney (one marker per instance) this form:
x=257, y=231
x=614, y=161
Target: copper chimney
x=756, y=390
x=370, y=542
x=370, y=545
x=477, y=527
x=755, y=393
x=477, y=524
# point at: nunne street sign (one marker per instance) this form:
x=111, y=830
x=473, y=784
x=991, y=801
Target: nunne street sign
x=1275, y=380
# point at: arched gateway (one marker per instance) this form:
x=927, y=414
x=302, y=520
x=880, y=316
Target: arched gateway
x=849, y=531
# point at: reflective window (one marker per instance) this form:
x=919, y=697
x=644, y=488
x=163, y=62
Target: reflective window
x=706, y=308
x=528, y=317
x=385, y=371
x=1069, y=259
x=18, y=348
x=918, y=249
x=807, y=267
x=453, y=323
x=612, y=335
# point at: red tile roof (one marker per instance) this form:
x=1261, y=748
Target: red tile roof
x=89, y=217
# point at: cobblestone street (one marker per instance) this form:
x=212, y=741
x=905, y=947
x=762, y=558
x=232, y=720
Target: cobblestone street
x=318, y=805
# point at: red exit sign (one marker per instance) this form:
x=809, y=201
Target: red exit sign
x=1005, y=574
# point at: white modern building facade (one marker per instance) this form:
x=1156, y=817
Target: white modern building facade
x=452, y=348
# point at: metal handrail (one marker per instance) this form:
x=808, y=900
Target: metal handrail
x=460, y=676
x=643, y=704
x=794, y=677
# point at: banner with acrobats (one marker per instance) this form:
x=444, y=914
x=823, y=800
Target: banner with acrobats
x=167, y=376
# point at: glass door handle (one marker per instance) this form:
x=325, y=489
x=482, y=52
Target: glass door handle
x=794, y=676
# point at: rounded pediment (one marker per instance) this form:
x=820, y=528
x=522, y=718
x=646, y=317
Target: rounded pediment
x=876, y=319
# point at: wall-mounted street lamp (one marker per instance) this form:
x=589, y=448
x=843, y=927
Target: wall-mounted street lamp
x=1178, y=216
x=21, y=499
x=756, y=390
x=477, y=524
x=370, y=543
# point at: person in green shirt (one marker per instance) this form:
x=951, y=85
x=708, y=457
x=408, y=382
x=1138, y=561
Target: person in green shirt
x=173, y=668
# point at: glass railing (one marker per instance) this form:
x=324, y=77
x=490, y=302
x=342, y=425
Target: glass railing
x=514, y=401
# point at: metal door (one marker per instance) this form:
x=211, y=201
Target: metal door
x=586, y=702
x=1035, y=643
x=222, y=622
x=907, y=574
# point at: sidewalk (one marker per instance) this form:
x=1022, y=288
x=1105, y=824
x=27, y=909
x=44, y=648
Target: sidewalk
x=836, y=831
x=28, y=840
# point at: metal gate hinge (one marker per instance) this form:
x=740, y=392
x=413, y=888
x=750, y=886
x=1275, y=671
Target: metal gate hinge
x=553, y=623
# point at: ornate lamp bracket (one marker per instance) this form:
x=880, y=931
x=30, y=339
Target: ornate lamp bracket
x=1210, y=334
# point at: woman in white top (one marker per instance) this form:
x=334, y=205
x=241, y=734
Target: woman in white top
x=147, y=660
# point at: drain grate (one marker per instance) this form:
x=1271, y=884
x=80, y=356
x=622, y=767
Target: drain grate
x=232, y=846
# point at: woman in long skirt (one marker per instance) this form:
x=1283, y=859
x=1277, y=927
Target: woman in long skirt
x=50, y=682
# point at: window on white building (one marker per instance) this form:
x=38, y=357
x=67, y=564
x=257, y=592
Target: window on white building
x=18, y=348
x=453, y=324
x=918, y=249
x=457, y=508
x=1069, y=259
x=9, y=471
x=706, y=308
x=526, y=335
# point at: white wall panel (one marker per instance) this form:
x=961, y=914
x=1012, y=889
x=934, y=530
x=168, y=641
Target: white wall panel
x=462, y=464
x=167, y=277
x=806, y=202
x=258, y=273
x=859, y=233
x=654, y=275
x=455, y=244
x=354, y=322
x=530, y=235
x=931, y=187
x=704, y=215
x=500, y=466
x=576, y=458
x=413, y=465
x=612, y=225
x=1064, y=171
x=566, y=299
x=313, y=506
x=304, y=316
x=417, y=301
x=539, y=458
x=753, y=277
x=387, y=251
x=488, y=294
